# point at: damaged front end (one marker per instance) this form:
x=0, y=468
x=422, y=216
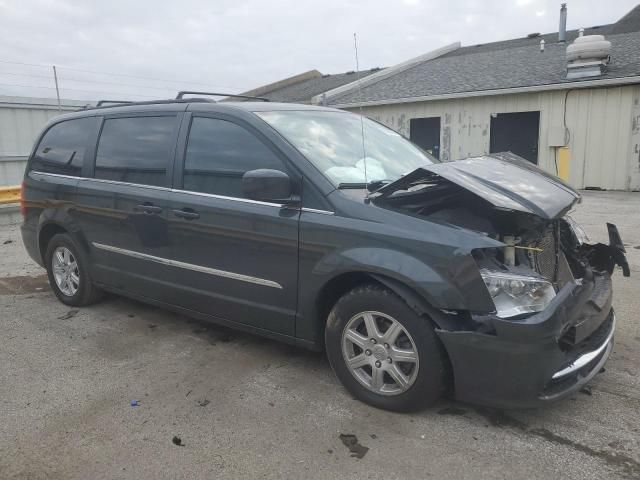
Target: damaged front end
x=552, y=326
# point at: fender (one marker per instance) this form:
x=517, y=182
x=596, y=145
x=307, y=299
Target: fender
x=61, y=217
x=417, y=303
x=443, y=286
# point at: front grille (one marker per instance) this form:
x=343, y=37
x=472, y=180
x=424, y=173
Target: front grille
x=551, y=262
x=545, y=262
x=564, y=271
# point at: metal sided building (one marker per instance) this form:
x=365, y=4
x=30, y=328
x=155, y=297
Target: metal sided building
x=21, y=120
x=568, y=101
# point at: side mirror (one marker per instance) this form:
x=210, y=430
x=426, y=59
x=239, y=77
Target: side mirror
x=267, y=185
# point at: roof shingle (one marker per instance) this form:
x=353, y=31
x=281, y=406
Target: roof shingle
x=501, y=65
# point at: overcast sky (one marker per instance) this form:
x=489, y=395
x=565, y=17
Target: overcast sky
x=235, y=45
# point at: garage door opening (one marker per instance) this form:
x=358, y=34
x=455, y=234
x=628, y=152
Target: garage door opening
x=425, y=132
x=515, y=132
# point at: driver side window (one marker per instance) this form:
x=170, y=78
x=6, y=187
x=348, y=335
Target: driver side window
x=219, y=153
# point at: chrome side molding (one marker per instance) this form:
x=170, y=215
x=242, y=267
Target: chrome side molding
x=176, y=190
x=315, y=210
x=223, y=197
x=189, y=266
x=56, y=175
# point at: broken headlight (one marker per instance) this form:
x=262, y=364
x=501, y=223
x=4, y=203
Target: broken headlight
x=514, y=294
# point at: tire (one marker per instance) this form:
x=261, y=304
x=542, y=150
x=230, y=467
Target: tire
x=82, y=292
x=416, y=350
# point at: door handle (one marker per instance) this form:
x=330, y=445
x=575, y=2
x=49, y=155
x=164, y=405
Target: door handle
x=150, y=209
x=186, y=214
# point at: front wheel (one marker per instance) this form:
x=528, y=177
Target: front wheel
x=383, y=352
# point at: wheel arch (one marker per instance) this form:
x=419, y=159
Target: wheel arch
x=331, y=292
x=339, y=285
x=416, y=302
x=46, y=233
x=51, y=228
x=434, y=318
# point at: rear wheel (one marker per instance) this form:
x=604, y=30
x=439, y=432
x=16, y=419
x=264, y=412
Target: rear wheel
x=68, y=272
x=383, y=352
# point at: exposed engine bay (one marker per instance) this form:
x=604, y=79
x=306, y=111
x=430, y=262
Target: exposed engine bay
x=550, y=288
x=557, y=249
x=543, y=248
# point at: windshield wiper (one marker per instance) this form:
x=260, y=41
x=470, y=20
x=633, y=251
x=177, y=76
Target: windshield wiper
x=371, y=186
x=416, y=177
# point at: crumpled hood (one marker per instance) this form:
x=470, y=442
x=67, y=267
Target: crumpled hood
x=506, y=181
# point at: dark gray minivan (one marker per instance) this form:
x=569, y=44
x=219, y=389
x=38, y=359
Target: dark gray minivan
x=327, y=230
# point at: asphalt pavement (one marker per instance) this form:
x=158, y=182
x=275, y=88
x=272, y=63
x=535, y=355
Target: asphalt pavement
x=216, y=403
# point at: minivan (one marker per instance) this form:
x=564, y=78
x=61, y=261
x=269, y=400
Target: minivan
x=327, y=230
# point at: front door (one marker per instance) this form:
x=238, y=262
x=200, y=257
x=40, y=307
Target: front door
x=517, y=133
x=122, y=203
x=425, y=132
x=235, y=258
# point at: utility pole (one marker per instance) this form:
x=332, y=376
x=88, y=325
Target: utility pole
x=55, y=77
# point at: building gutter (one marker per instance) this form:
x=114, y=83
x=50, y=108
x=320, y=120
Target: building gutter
x=610, y=82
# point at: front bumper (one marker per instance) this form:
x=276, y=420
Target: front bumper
x=583, y=367
x=545, y=357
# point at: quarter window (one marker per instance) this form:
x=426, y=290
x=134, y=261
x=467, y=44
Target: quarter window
x=62, y=149
x=136, y=150
x=219, y=153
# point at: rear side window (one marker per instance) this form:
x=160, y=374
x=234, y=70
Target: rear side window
x=62, y=149
x=136, y=149
x=219, y=153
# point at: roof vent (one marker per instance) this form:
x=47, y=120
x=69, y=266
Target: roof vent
x=562, y=30
x=588, y=56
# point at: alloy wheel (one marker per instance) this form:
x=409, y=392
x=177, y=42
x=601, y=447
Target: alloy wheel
x=65, y=271
x=380, y=353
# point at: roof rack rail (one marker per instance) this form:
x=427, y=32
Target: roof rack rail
x=182, y=94
x=113, y=104
x=103, y=102
x=179, y=99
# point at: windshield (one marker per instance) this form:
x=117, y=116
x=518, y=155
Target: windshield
x=332, y=141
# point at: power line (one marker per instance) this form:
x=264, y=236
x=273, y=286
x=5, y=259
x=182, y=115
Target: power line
x=26, y=75
x=181, y=82
x=72, y=79
x=75, y=90
x=146, y=87
x=97, y=72
x=27, y=64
